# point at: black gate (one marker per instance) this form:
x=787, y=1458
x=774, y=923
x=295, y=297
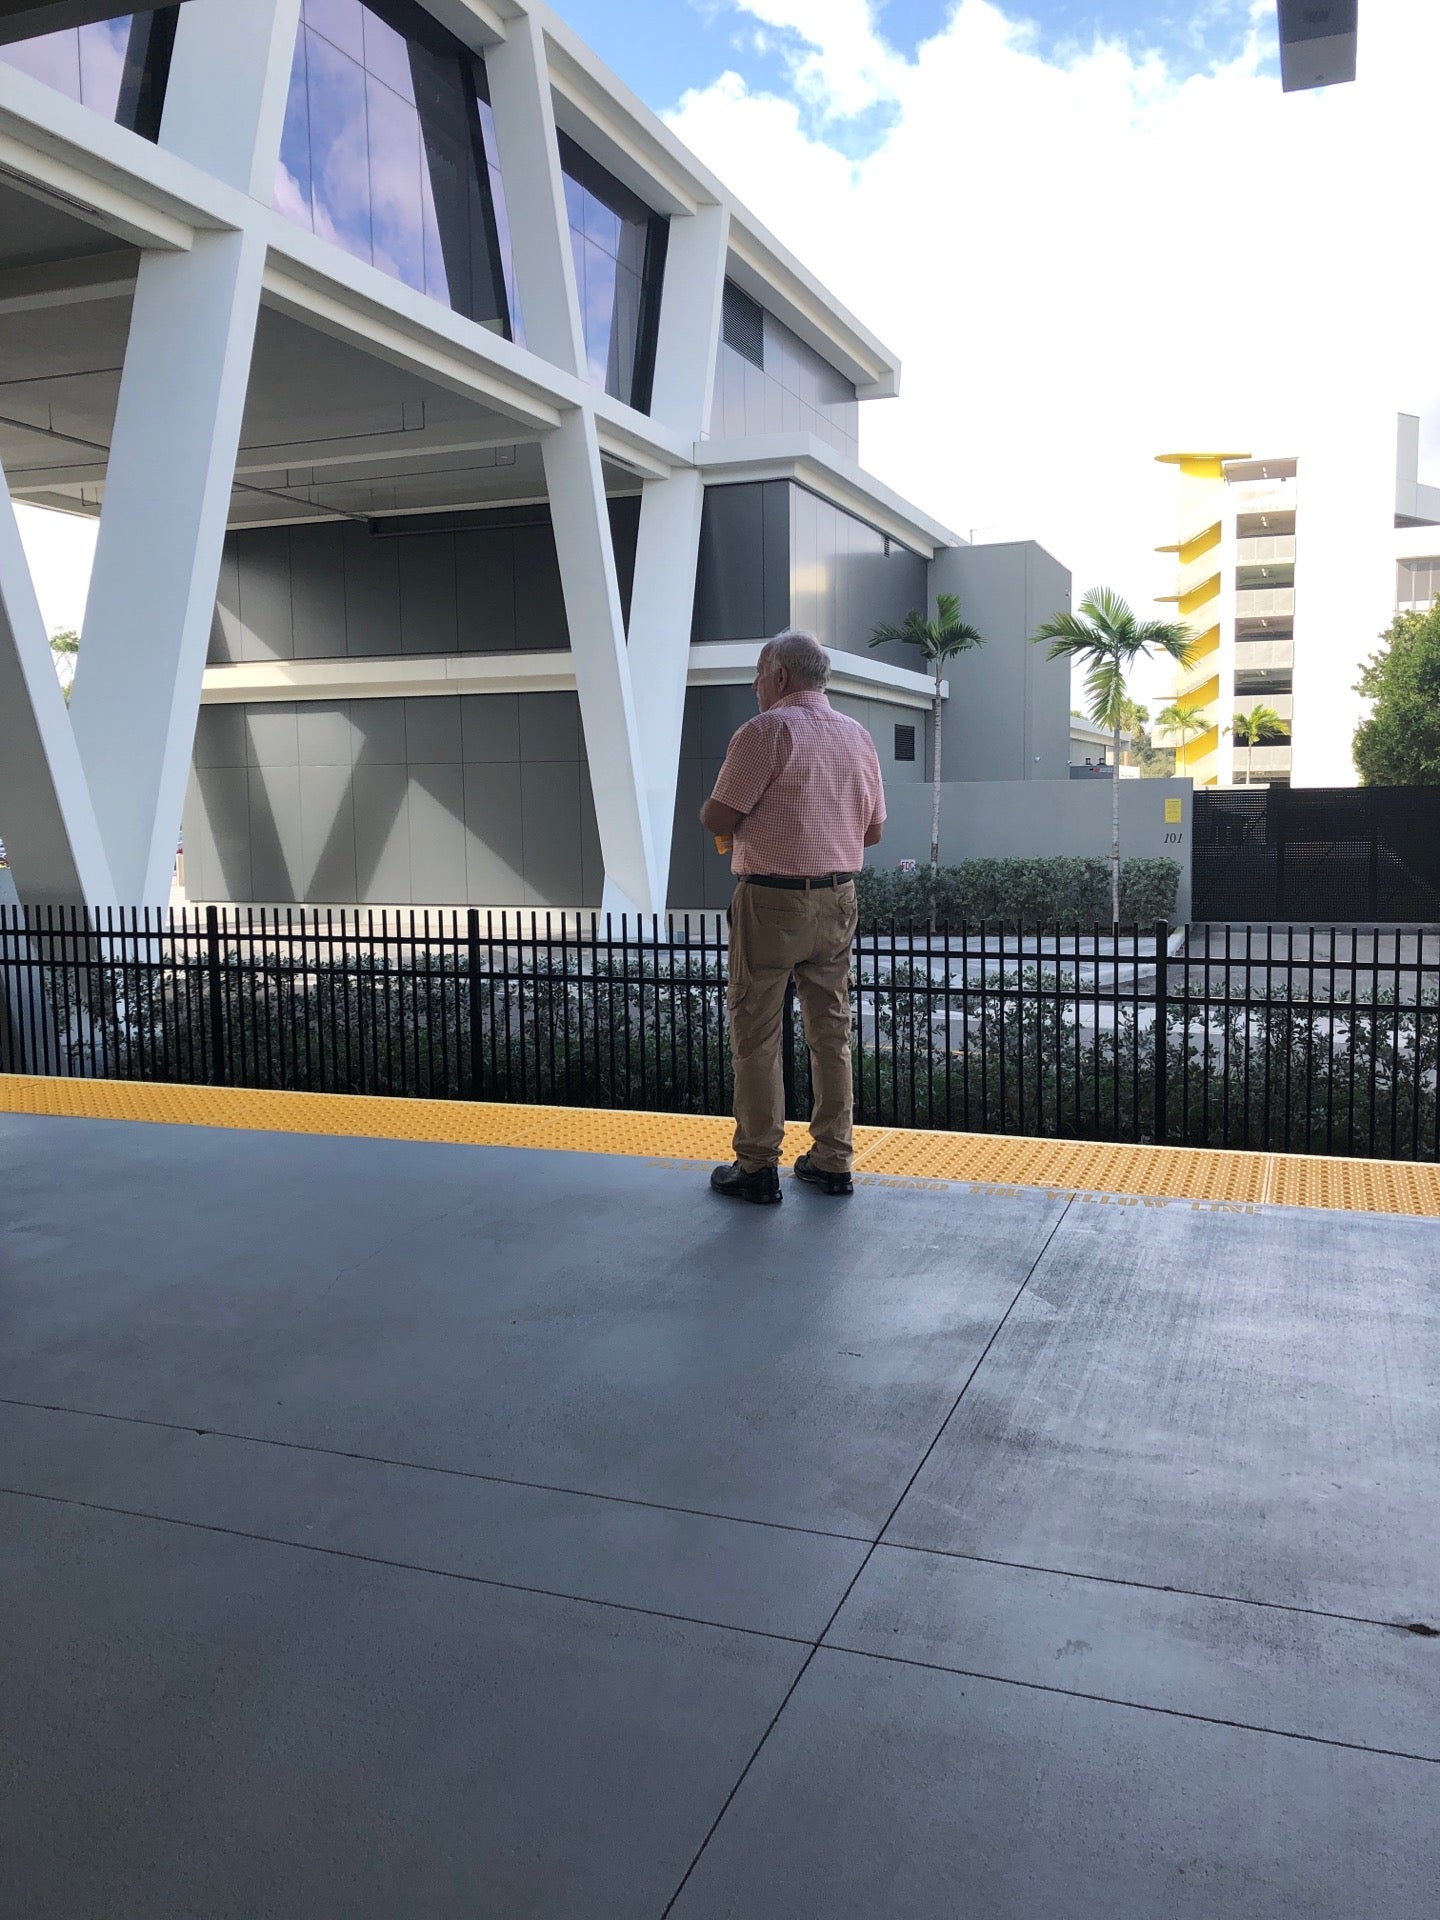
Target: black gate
x=1318, y=854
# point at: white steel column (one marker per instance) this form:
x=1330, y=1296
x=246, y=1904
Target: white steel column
x=662, y=609
x=46, y=818
x=535, y=195
x=172, y=453
x=663, y=599
x=229, y=81
x=576, y=487
x=689, y=333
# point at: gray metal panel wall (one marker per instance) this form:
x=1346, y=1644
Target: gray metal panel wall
x=481, y=583
x=797, y=392
x=1008, y=715
x=742, y=583
x=847, y=579
x=482, y=799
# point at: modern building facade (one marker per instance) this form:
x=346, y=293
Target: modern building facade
x=1290, y=567
x=456, y=440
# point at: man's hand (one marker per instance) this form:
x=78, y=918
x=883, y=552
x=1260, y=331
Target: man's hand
x=715, y=817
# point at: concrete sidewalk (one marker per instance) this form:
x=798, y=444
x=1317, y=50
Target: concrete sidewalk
x=401, y=1529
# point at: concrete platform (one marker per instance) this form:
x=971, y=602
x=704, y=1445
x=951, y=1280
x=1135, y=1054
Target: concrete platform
x=399, y=1528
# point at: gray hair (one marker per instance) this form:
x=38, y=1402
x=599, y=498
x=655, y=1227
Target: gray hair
x=802, y=657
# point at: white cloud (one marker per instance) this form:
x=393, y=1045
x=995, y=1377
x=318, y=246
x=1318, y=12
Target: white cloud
x=1086, y=258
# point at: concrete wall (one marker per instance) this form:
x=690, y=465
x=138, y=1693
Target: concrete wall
x=1008, y=715
x=1040, y=819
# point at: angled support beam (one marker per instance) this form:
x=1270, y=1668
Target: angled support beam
x=157, y=557
x=172, y=453
x=662, y=607
x=667, y=551
x=47, y=820
x=535, y=195
x=689, y=333
x=231, y=131
x=633, y=883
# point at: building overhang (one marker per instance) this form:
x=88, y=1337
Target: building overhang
x=810, y=463
x=731, y=663
x=421, y=676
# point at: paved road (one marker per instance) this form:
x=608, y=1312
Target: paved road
x=412, y=1530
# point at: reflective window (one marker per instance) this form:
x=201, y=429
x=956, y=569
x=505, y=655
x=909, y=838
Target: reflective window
x=389, y=152
x=117, y=67
x=619, y=250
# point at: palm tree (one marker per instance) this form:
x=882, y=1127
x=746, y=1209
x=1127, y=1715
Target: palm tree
x=1187, y=720
x=65, y=645
x=1254, y=728
x=1105, y=638
x=938, y=640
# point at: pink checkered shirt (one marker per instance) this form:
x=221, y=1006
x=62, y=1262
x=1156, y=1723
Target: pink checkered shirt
x=807, y=780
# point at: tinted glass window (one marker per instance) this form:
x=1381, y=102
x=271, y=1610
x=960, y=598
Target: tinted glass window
x=388, y=151
x=118, y=67
x=619, y=250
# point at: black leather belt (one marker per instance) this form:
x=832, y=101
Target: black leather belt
x=796, y=881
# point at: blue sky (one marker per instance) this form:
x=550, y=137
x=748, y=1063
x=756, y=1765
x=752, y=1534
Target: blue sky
x=699, y=39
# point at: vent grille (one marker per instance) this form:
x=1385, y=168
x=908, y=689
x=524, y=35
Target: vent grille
x=904, y=743
x=744, y=325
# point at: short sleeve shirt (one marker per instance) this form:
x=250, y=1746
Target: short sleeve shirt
x=807, y=781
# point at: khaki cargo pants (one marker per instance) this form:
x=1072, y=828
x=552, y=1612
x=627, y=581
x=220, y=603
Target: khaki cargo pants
x=776, y=932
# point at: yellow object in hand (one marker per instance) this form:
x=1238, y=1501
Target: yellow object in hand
x=724, y=842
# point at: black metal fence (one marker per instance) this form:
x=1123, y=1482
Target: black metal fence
x=1317, y=854
x=1300, y=1040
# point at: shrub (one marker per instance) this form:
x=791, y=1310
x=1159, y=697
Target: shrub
x=1021, y=893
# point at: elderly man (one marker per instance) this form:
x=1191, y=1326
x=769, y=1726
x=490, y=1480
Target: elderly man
x=801, y=793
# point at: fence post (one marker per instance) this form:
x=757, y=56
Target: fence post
x=472, y=965
x=1162, y=1041
x=215, y=990
x=787, y=1049
x=1372, y=876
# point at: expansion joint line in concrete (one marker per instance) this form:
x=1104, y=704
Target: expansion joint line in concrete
x=1219, y=1179
x=884, y=1528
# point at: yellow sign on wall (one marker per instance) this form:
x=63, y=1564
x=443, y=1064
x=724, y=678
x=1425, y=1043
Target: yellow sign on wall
x=1172, y=813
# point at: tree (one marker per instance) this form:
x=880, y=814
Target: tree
x=1106, y=639
x=1187, y=720
x=1399, y=745
x=938, y=640
x=1260, y=724
x=65, y=645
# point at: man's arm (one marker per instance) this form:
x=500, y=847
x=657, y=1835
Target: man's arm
x=874, y=832
x=716, y=817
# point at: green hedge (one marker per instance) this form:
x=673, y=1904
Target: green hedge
x=1025, y=893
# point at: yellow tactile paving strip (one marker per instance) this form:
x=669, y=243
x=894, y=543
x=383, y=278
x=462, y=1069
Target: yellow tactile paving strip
x=1181, y=1173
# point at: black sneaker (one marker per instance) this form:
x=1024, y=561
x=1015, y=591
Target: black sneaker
x=836, y=1183
x=762, y=1187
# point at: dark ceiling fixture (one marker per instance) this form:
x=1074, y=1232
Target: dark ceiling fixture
x=1317, y=43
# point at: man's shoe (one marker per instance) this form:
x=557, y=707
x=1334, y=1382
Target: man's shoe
x=762, y=1187
x=837, y=1183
